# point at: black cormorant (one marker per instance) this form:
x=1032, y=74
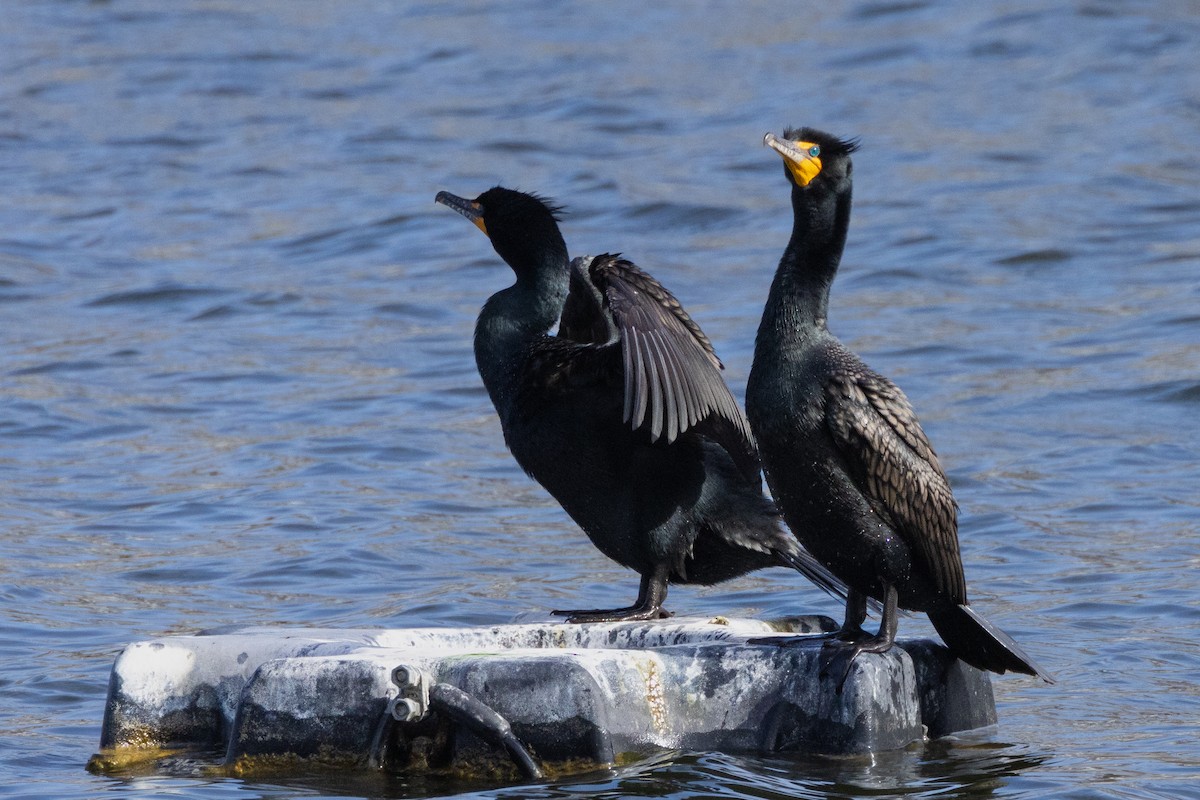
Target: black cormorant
x=623, y=415
x=845, y=457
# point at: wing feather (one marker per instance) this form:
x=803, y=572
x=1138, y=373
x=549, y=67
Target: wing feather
x=673, y=381
x=655, y=383
x=629, y=356
x=638, y=380
x=675, y=389
x=895, y=466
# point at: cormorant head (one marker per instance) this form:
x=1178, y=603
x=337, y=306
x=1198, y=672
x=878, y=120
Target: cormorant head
x=522, y=227
x=813, y=159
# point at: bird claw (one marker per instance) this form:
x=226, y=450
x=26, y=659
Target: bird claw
x=844, y=636
x=633, y=614
x=849, y=650
x=830, y=655
x=789, y=640
x=831, y=651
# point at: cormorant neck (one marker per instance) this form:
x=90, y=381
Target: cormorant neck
x=798, y=303
x=512, y=318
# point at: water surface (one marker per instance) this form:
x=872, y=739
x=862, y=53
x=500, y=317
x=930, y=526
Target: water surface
x=237, y=383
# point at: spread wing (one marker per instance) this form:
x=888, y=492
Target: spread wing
x=893, y=463
x=672, y=376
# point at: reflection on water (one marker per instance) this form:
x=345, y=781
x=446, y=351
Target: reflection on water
x=237, y=380
x=958, y=769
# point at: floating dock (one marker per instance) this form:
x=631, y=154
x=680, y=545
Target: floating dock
x=515, y=701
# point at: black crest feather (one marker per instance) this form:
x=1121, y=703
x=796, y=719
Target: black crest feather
x=830, y=144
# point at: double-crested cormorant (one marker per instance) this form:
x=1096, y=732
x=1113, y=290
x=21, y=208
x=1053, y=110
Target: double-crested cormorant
x=623, y=415
x=844, y=454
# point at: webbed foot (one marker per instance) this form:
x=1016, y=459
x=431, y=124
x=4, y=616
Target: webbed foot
x=631, y=614
x=838, y=654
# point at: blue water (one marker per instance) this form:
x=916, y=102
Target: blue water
x=236, y=383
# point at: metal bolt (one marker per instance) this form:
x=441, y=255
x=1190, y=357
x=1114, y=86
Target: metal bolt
x=403, y=676
x=405, y=709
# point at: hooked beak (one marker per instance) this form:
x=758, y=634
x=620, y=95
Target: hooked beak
x=796, y=157
x=468, y=208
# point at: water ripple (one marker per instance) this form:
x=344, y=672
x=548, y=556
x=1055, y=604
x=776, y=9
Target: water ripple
x=238, y=383
x=168, y=295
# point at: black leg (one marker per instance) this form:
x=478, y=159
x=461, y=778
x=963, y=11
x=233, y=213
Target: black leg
x=848, y=649
x=651, y=596
x=856, y=613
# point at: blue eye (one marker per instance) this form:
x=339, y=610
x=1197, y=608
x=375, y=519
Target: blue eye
x=815, y=150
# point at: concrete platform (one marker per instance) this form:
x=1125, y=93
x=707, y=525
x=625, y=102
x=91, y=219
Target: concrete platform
x=568, y=696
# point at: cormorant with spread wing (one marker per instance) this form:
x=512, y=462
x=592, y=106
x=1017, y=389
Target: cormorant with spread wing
x=623, y=415
x=844, y=454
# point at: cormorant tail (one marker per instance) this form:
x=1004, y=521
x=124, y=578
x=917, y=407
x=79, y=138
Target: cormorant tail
x=980, y=643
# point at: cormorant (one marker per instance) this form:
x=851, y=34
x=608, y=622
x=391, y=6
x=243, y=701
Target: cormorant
x=623, y=415
x=844, y=455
